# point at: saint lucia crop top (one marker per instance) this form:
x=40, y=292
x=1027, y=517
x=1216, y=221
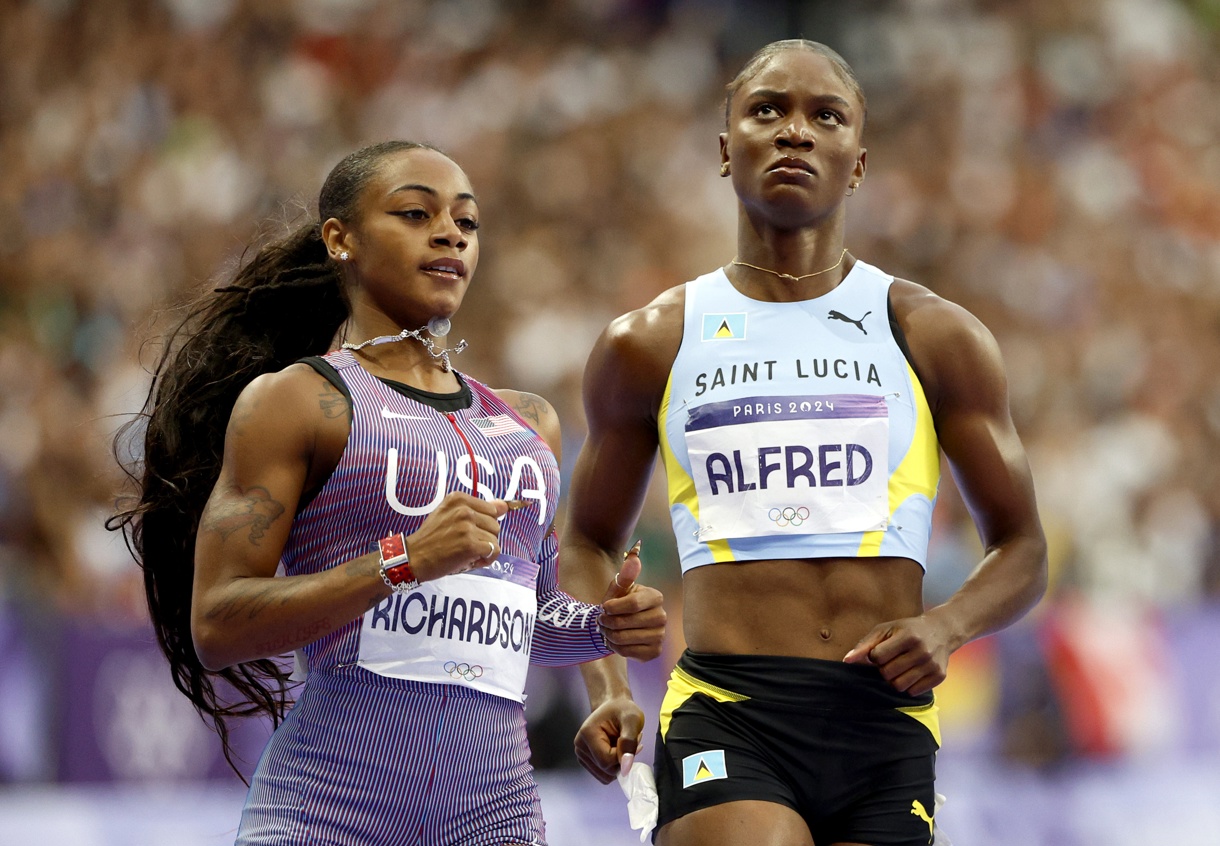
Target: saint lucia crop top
x=796, y=430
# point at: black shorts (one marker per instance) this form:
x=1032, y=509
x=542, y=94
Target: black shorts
x=832, y=741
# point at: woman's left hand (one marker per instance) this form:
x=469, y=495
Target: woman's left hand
x=607, y=741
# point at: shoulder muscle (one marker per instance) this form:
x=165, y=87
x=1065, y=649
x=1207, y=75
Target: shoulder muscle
x=956, y=356
x=537, y=412
x=627, y=370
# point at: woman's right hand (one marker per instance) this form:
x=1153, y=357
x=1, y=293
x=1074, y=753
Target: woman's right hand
x=463, y=533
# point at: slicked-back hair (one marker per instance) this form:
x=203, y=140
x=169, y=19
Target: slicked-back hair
x=769, y=51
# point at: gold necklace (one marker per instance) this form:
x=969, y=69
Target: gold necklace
x=789, y=275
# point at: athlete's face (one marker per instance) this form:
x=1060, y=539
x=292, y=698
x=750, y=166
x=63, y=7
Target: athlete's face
x=414, y=243
x=793, y=139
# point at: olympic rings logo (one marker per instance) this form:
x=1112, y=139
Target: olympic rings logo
x=469, y=672
x=788, y=516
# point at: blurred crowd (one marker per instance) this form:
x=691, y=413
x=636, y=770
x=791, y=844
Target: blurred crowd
x=1051, y=166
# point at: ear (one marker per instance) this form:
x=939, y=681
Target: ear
x=858, y=171
x=336, y=237
x=724, y=148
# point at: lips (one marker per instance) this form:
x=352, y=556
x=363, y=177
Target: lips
x=792, y=163
x=450, y=268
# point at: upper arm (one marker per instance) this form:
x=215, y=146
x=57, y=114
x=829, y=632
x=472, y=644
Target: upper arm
x=963, y=375
x=624, y=381
x=270, y=446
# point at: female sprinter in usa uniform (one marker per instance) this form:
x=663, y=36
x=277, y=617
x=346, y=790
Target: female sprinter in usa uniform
x=410, y=509
x=799, y=399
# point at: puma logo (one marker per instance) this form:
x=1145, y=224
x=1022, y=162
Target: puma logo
x=917, y=807
x=859, y=324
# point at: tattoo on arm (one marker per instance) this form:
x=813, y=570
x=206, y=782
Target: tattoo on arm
x=255, y=510
x=333, y=403
x=305, y=634
x=362, y=569
x=252, y=604
x=531, y=407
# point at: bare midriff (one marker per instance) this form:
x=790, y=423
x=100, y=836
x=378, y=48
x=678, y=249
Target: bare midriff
x=808, y=608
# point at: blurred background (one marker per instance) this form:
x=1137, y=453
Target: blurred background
x=1052, y=166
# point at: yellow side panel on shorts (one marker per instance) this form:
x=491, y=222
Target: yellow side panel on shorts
x=682, y=686
x=681, y=486
x=919, y=471
x=929, y=715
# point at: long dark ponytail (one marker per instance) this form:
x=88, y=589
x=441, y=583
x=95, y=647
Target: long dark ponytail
x=288, y=301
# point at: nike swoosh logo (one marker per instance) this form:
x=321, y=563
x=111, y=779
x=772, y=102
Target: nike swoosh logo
x=393, y=415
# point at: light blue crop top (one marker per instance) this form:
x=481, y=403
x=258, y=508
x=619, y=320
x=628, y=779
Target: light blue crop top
x=796, y=430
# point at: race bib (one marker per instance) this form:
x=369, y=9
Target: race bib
x=470, y=629
x=794, y=465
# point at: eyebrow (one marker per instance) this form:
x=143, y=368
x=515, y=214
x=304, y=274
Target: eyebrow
x=428, y=189
x=768, y=93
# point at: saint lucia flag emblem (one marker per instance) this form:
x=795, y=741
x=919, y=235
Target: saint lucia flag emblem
x=724, y=327
x=703, y=766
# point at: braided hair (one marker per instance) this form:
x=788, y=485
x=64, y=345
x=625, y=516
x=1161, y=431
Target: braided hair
x=287, y=302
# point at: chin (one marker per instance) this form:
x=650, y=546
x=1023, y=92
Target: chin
x=793, y=212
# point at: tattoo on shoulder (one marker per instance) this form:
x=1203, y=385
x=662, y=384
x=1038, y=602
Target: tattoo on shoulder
x=254, y=510
x=333, y=404
x=531, y=407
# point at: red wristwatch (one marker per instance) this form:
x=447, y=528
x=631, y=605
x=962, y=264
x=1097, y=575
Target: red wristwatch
x=396, y=564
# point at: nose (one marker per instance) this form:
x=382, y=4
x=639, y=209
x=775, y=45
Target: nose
x=794, y=135
x=447, y=233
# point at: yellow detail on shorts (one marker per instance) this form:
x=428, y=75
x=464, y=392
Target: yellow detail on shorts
x=929, y=715
x=919, y=470
x=680, y=485
x=682, y=686
x=918, y=810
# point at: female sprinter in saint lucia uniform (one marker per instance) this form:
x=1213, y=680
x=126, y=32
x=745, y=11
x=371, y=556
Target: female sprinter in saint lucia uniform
x=801, y=400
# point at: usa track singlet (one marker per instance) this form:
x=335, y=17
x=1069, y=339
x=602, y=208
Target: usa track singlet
x=796, y=430
x=409, y=727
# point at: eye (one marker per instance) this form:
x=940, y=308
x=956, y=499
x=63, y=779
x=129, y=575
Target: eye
x=765, y=110
x=411, y=214
x=468, y=223
x=830, y=115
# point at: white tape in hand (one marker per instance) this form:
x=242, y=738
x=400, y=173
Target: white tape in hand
x=641, y=791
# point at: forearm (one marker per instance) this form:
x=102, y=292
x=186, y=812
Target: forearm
x=585, y=570
x=605, y=680
x=566, y=632
x=254, y=617
x=1005, y=585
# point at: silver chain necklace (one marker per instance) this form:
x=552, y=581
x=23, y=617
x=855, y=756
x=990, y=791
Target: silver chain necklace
x=438, y=327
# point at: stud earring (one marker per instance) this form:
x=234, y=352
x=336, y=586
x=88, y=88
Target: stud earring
x=344, y=256
x=724, y=168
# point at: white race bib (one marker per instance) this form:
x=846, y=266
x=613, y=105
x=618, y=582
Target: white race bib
x=470, y=629
x=791, y=465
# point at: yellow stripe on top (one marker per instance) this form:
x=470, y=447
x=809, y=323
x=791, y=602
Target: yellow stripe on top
x=680, y=485
x=919, y=471
x=682, y=686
